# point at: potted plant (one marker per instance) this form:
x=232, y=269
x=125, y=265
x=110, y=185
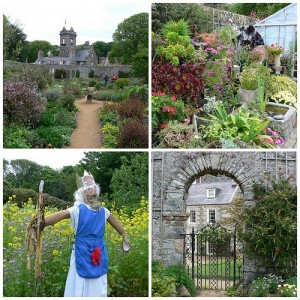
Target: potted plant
x=248, y=88
x=274, y=50
x=284, y=59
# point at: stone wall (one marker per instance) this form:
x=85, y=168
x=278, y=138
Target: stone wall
x=174, y=172
x=111, y=70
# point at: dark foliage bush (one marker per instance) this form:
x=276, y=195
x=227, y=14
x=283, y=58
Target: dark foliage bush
x=133, y=134
x=123, y=74
x=68, y=101
x=77, y=74
x=21, y=102
x=91, y=74
x=56, y=136
x=133, y=108
x=60, y=74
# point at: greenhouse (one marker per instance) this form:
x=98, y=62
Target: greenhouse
x=280, y=28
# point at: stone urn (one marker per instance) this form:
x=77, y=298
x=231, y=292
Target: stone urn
x=248, y=96
x=277, y=60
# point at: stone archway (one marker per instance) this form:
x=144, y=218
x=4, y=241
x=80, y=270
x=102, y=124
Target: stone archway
x=174, y=172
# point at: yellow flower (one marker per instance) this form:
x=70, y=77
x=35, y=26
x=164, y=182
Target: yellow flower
x=10, y=198
x=54, y=252
x=14, y=196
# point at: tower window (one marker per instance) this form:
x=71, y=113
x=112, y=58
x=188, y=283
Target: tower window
x=63, y=41
x=71, y=41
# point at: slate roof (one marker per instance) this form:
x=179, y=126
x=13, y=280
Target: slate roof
x=81, y=55
x=197, y=194
x=55, y=60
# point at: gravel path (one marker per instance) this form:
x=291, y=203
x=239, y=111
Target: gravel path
x=87, y=133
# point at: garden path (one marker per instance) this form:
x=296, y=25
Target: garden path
x=87, y=133
x=212, y=293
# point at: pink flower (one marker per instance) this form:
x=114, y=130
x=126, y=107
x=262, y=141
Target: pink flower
x=214, y=51
x=165, y=109
x=173, y=98
x=163, y=125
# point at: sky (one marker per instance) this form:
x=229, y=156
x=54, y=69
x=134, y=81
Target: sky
x=92, y=20
x=54, y=158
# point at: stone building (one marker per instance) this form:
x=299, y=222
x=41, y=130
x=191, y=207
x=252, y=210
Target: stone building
x=68, y=55
x=206, y=202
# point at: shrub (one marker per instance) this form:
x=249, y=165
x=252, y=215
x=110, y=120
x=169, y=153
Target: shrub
x=110, y=132
x=22, y=195
x=109, y=117
x=133, y=108
x=133, y=134
x=92, y=83
x=60, y=74
x=163, y=286
x=123, y=74
x=15, y=136
x=283, y=83
x=53, y=94
x=271, y=221
x=56, y=136
x=73, y=88
x=99, y=85
x=68, y=101
x=57, y=116
x=29, y=72
x=91, y=74
x=21, y=102
x=121, y=83
x=77, y=73
x=7, y=190
x=105, y=95
x=140, y=92
x=259, y=288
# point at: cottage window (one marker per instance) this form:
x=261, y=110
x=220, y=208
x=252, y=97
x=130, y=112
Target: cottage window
x=211, y=216
x=211, y=193
x=192, y=216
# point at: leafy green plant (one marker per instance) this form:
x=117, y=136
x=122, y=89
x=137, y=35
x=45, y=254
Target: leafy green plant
x=283, y=83
x=121, y=83
x=15, y=136
x=110, y=132
x=108, y=117
x=163, y=286
x=259, y=288
x=262, y=95
x=57, y=116
x=272, y=221
x=136, y=91
x=56, y=136
x=68, y=101
x=284, y=97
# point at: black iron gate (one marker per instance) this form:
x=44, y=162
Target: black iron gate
x=213, y=257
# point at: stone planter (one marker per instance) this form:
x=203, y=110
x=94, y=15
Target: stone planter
x=287, y=123
x=277, y=60
x=248, y=96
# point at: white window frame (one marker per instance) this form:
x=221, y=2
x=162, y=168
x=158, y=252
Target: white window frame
x=192, y=218
x=211, y=193
x=208, y=215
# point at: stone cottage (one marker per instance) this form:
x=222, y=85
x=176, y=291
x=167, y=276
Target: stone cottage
x=206, y=201
x=68, y=55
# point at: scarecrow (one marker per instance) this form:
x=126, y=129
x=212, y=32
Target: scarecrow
x=87, y=276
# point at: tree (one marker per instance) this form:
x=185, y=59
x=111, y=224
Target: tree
x=130, y=182
x=192, y=13
x=102, y=166
x=35, y=46
x=13, y=40
x=140, y=63
x=130, y=34
x=262, y=9
x=102, y=48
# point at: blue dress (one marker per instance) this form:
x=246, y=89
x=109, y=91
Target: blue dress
x=89, y=227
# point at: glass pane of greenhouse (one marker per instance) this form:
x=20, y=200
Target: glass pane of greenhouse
x=280, y=28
